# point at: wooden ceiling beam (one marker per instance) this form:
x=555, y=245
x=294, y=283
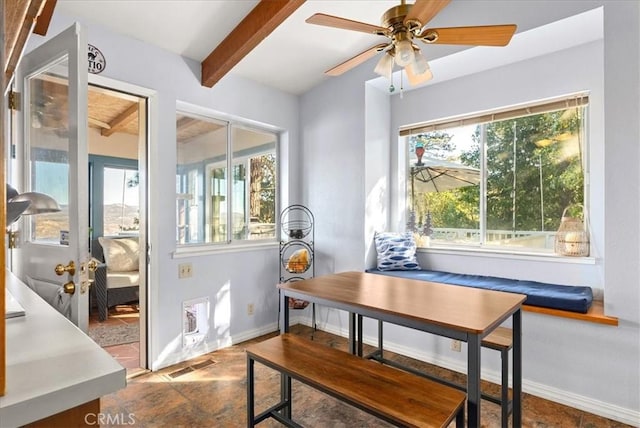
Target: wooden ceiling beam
x=44, y=19
x=121, y=120
x=257, y=25
x=20, y=18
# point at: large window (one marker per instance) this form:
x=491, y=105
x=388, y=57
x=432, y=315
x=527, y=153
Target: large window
x=498, y=180
x=226, y=181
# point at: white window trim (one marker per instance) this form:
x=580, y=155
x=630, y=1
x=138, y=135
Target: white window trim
x=507, y=254
x=191, y=250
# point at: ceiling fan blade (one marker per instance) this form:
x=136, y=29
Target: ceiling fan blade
x=423, y=11
x=345, y=24
x=356, y=60
x=489, y=35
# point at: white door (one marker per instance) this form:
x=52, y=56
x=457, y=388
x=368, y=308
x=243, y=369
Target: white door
x=51, y=158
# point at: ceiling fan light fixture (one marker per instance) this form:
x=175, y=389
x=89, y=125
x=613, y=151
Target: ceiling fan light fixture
x=385, y=66
x=416, y=79
x=419, y=66
x=404, y=53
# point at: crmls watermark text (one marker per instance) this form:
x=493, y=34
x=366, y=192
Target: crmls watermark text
x=110, y=419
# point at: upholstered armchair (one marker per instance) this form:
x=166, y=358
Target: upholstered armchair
x=116, y=279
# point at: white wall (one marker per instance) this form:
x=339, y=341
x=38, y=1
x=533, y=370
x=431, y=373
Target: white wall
x=377, y=172
x=230, y=280
x=118, y=144
x=333, y=176
x=588, y=366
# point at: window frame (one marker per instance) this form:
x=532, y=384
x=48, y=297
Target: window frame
x=575, y=100
x=231, y=122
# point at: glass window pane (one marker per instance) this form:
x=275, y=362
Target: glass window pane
x=443, y=185
x=201, y=179
x=217, y=205
x=49, y=149
x=121, y=201
x=255, y=183
x=239, y=199
x=534, y=166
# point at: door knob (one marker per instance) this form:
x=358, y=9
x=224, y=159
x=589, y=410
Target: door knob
x=69, y=287
x=61, y=269
x=92, y=265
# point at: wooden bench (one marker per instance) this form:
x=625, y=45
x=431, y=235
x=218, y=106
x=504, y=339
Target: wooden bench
x=500, y=339
x=395, y=396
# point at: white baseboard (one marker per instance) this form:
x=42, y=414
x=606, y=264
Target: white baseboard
x=600, y=408
x=586, y=404
x=180, y=355
x=252, y=334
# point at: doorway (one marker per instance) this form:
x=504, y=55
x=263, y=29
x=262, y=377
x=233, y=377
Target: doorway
x=117, y=146
x=48, y=153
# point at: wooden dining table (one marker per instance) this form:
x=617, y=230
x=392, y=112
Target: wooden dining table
x=461, y=313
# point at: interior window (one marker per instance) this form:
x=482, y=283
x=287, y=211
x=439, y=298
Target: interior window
x=226, y=181
x=49, y=153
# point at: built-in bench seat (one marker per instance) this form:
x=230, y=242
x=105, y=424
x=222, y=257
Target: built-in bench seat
x=398, y=397
x=554, y=296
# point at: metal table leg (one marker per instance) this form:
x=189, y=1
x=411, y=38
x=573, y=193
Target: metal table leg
x=517, y=368
x=352, y=333
x=285, y=381
x=473, y=380
x=250, y=393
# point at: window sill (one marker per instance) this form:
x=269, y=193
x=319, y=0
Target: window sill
x=210, y=249
x=595, y=313
x=506, y=254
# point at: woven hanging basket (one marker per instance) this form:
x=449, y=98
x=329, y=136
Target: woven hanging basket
x=572, y=238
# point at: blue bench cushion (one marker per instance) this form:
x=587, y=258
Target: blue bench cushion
x=563, y=297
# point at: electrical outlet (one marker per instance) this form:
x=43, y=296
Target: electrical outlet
x=456, y=345
x=250, y=309
x=185, y=270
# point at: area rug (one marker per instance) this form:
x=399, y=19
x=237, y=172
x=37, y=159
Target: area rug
x=110, y=335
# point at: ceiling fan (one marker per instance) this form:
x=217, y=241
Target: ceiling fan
x=403, y=25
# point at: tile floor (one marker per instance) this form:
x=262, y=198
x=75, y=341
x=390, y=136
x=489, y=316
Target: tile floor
x=127, y=354
x=210, y=391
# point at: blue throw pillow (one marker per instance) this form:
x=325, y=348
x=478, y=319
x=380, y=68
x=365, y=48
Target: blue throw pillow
x=396, y=251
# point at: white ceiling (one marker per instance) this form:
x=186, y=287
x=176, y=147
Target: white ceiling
x=294, y=57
